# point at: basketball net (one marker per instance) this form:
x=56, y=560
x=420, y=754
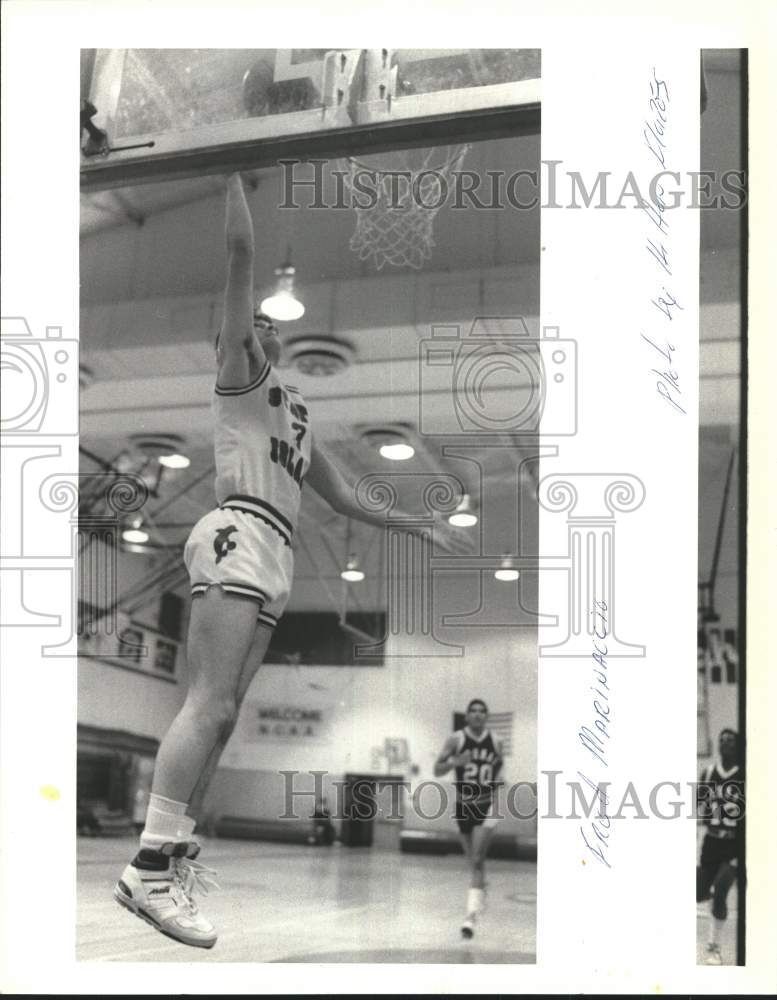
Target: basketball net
x=396, y=197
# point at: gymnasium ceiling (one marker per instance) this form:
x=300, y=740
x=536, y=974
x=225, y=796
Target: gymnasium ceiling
x=151, y=296
x=152, y=273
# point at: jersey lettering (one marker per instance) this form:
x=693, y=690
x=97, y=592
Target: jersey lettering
x=284, y=455
x=721, y=799
x=277, y=396
x=480, y=774
x=258, y=433
x=475, y=780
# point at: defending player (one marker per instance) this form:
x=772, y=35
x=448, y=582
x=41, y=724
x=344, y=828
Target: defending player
x=240, y=563
x=477, y=760
x=721, y=805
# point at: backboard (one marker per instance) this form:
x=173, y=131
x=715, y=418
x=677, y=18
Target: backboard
x=196, y=111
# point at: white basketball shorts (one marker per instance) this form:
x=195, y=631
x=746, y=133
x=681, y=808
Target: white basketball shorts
x=242, y=554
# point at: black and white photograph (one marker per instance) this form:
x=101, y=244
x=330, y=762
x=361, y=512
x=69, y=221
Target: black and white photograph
x=721, y=874
x=308, y=646
x=382, y=427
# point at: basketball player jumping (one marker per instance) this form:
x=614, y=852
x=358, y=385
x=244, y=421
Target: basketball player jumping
x=721, y=806
x=240, y=563
x=477, y=760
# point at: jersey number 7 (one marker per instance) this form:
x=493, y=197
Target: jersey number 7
x=300, y=429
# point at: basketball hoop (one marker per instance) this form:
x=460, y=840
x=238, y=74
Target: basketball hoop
x=396, y=197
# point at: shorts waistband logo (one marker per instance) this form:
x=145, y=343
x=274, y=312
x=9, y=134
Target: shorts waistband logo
x=223, y=544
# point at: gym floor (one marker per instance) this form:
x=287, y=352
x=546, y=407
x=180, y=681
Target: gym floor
x=290, y=903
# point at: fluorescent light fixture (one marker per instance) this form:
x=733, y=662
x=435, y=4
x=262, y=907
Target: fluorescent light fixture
x=397, y=452
x=463, y=516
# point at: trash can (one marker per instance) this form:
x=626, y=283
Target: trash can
x=358, y=810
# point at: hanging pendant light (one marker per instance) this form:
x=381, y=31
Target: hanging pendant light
x=397, y=452
x=392, y=441
x=283, y=304
x=464, y=516
x=135, y=533
x=507, y=571
x=175, y=460
x=352, y=573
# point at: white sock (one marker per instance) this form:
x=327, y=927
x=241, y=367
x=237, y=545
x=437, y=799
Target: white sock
x=717, y=928
x=474, y=901
x=166, y=821
x=166, y=805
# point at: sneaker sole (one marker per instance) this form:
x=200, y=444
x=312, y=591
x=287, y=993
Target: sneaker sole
x=137, y=911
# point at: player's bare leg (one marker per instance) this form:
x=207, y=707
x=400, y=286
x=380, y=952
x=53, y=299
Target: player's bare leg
x=481, y=839
x=476, y=895
x=261, y=641
x=466, y=844
x=221, y=631
x=159, y=883
x=468, y=924
x=724, y=879
x=475, y=845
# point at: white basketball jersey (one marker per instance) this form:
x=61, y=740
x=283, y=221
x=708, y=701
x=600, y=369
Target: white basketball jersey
x=262, y=444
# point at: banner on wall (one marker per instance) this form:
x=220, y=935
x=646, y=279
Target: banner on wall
x=717, y=652
x=134, y=646
x=395, y=753
x=717, y=690
x=284, y=722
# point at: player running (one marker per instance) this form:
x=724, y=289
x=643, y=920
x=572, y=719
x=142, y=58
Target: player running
x=721, y=806
x=477, y=759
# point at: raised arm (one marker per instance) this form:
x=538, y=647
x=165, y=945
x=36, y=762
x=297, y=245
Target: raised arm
x=237, y=337
x=704, y=790
x=498, y=763
x=327, y=480
x=448, y=758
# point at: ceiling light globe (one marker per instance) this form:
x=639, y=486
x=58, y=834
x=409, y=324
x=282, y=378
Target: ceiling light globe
x=175, y=461
x=461, y=519
x=397, y=452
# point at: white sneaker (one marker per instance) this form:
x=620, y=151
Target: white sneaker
x=712, y=955
x=157, y=886
x=468, y=927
